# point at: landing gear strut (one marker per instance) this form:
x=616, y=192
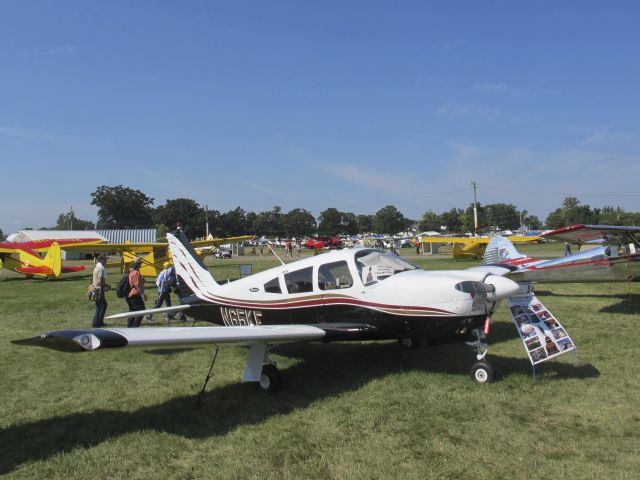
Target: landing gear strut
x=481, y=371
x=261, y=369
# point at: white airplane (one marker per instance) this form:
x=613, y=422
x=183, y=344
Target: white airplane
x=615, y=259
x=350, y=294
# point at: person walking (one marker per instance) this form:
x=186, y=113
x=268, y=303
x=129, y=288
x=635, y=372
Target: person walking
x=100, y=286
x=164, y=290
x=136, y=297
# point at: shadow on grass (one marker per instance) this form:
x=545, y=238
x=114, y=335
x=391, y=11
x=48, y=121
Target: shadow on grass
x=628, y=304
x=326, y=371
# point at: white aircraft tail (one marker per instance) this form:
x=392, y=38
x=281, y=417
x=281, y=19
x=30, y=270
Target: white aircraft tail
x=190, y=268
x=499, y=250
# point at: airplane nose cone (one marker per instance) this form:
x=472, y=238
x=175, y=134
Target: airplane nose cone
x=504, y=288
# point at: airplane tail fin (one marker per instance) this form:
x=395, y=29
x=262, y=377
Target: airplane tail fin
x=53, y=259
x=190, y=268
x=500, y=249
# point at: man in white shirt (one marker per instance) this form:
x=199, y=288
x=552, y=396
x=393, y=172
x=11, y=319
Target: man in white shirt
x=100, y=286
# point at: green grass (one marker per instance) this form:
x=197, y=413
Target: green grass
x=350, y=410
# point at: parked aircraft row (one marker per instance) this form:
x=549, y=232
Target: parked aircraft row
x=43, y=258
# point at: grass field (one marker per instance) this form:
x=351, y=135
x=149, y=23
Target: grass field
x=351, y=410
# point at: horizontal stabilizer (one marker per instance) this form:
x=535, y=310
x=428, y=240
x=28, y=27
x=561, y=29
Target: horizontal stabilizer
x=35, y=270
x=94, y=338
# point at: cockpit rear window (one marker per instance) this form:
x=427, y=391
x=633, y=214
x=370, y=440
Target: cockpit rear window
x=334, y=275
x=299, y=281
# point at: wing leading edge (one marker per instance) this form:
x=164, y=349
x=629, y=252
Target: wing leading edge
x=79, y=340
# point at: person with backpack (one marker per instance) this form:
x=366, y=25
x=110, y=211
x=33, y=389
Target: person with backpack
x=136, y=296
x=164, y=284
x=174, y=285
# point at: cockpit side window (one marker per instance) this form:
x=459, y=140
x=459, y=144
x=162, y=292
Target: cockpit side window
x=334, y=275
x=299, y=281
x=273, y=286
x=376, y=265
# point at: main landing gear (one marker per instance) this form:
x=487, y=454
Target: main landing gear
x=481, y=371
x=270, y=378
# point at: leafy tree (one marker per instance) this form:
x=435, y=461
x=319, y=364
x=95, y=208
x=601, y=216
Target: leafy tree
x=122, y=207
x=365, y=223
x=69, y=221
x=299, y=223
x=269, y=223
x=533, y=222
x=349, y=223
x=451, y=219
x=431, y=221
x=571, y=213
x=233, y=223
x=389, y=220
x=504, y=216
x=330, y=221
x=617, y=216
x=182, y=210
x=2, y=237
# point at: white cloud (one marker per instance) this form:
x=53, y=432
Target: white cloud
x=453, y=44
x=602, y=134
x=500, y=88
x=367, y=177
x=28, y=134
x=454, y=111
x=56, y=51
x=538, y=180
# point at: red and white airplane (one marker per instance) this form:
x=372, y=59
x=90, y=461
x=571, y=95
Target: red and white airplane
x=323, y=242
x=615, y=259
x=350, y=294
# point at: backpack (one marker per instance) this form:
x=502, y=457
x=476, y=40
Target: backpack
x=123, y=288
x=171, y=280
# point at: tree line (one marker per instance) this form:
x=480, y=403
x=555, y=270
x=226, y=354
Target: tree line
x=124, y=207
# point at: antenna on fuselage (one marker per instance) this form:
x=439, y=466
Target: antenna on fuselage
x=274, y=252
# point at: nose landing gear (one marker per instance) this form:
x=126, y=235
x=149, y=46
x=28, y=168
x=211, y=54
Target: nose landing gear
x=481, y=371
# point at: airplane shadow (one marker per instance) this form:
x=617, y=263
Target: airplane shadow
x=628, y=304
x=326, y=371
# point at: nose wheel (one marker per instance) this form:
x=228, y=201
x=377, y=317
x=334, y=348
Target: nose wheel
x=481, y=371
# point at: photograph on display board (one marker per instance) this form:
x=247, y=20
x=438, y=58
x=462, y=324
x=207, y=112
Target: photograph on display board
x=542, y=334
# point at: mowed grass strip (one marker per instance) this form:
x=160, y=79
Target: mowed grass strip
x=349, y=410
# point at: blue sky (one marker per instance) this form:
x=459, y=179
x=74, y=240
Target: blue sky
x=346, y=104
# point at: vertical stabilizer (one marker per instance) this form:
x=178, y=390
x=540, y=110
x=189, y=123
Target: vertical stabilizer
x=190, y=268
x=500, y=249
x=53, y=259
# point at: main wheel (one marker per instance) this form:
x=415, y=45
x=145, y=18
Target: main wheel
x=270, y=380
x=482, y=372
x=409, y=342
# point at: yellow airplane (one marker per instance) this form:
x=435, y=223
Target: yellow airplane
x=473, y=247
x=25, y=257
x=153, y=255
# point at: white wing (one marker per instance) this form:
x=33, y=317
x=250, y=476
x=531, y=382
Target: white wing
x=96, y=338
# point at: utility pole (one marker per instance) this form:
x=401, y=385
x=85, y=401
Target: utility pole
x=475, y=209
x=71, y=218
x=206, y=220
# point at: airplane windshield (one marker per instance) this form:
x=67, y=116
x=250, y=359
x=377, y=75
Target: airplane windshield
x=376, y=265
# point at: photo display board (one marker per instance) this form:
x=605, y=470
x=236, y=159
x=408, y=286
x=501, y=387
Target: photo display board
x=542, y=334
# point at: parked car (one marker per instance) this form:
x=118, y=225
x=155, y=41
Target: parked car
x=222, y=253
